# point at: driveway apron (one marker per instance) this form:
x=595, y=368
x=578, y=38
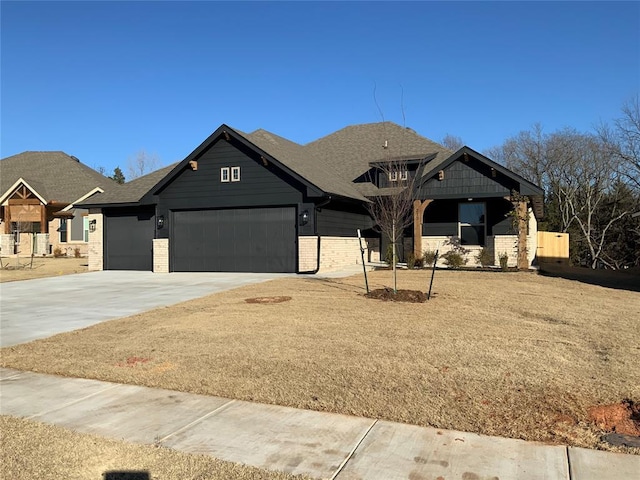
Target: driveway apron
x=39, y=308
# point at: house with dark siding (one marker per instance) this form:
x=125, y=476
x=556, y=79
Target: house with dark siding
x=257, y=202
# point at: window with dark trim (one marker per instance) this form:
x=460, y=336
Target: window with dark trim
x=63, y=230
x=472, y=223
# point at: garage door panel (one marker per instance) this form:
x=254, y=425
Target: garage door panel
x=234, y=240
x=129, y=240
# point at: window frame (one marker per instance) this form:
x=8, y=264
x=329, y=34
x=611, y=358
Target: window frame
x=85, y=228
x=404, y=175
x=393, y=176
x=65, y=231
x=224, y=175
x=235, y=170
x=468, y=224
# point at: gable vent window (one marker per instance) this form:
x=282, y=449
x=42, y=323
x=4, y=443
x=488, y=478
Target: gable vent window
x=224, y=174
x=235, y=174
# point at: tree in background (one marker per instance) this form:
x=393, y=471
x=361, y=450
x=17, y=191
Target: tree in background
x=623, y=141
x=118, y=176
x=452, y=142
x=583, y=181
x=141, y=164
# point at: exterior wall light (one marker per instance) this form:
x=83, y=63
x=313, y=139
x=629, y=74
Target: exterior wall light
x=92, y=225
x=160, y=222
x=304, y=217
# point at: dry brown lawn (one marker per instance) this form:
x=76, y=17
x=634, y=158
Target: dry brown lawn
x=511, y=354
x=31, y=450
x=21, y=269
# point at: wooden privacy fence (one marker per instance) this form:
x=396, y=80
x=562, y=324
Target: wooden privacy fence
x=553, y=247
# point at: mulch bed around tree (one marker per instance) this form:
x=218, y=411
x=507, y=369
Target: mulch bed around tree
x=388, y=295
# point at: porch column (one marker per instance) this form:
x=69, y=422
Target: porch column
x=419, y=207
x=7, y=219
x=44, y=225
x=520, y=207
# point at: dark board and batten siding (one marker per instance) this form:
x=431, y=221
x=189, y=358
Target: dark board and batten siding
x=468, y=179
x=202, y=188
x=338, y=223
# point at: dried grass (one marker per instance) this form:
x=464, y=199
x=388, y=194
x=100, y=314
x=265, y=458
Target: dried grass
x=32, y=450
x=511, y=354
x=21, y=269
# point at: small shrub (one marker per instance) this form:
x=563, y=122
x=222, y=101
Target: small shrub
x=504, y=261
x=76, y=252
x=484, y=257
x=419, y=262
x=428, y=257
x=454, y=259
x=388, y=257
x=411, y=261
x=57, y=252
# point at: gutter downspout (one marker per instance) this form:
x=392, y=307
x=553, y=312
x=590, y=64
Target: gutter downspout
x=313, y=272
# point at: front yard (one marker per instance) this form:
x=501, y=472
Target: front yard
x=511, y=354
x=21, y=268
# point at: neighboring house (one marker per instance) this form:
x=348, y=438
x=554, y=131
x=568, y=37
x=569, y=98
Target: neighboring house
x=260, y=203
x=38, y=193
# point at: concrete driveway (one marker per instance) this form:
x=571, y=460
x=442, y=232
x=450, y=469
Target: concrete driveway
x=39, y=308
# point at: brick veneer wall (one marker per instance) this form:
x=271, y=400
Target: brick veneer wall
x=495, y=244
x=160, y=255
x=335, y=252
x=96, y=247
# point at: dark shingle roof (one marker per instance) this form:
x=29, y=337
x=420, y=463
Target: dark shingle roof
x=130, y=192
x=349, y=151
x=56, y=176
x=303, y=162
x=331, y=163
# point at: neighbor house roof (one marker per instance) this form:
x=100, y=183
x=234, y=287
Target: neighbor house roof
x=56, y=176
x=130, y=192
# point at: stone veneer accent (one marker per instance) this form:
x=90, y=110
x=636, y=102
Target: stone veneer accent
x=160, y=255
x=96, y=247
x=7, y=244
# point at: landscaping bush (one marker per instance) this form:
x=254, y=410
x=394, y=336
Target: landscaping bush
x=454, y=259
x=484, y=257
x=428, y=257
x=504, y=261
x=411, y=261
x=419, y=262
x=76, y=252
x=57, y=252
x=388, y=256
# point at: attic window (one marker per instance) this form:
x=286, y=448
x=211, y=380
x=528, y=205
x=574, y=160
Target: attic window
x=235, y=174
x=396, y=175
x=224, y=174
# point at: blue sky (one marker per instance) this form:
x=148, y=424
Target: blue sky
x=104, y=80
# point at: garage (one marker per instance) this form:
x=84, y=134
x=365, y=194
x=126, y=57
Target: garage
x=234, y=240
x=128, y=238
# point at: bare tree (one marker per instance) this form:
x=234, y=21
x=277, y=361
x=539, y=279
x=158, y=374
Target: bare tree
x=623, y=141
x=392, y=207
x=141, y=164
x=452, y=142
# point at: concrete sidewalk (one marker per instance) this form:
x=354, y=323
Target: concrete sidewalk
x=321, y=445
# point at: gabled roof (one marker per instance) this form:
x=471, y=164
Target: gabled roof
x=329, y=165
x=131, y=192
x=55, y=176
x=350, y=151
x=526, y=187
